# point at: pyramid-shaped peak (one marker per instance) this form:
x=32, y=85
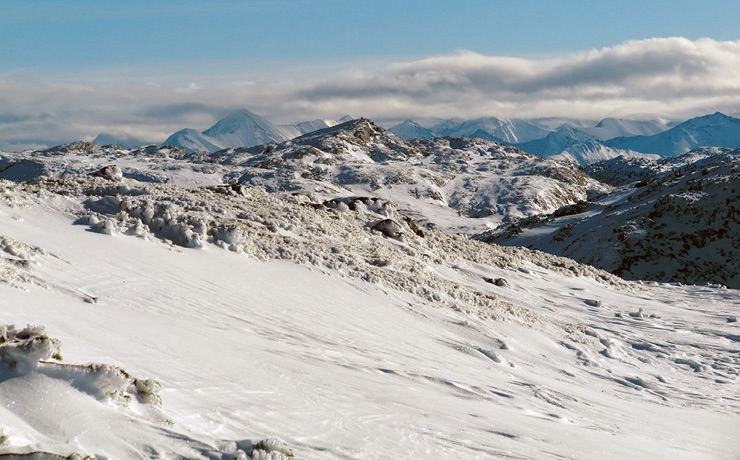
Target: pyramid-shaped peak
x=236, y=121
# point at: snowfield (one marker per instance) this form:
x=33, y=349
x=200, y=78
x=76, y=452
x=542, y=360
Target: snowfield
x=197, y=319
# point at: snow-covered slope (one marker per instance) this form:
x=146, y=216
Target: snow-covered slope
x=245, y=129
x=191, y=141
x=716, y=130
x=679, y=223
x=593, y=152
x=220, y=318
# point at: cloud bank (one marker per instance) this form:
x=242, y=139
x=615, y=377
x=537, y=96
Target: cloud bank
x=669, y=77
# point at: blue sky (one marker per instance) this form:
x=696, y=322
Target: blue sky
x=70, y=68
x=74, y=35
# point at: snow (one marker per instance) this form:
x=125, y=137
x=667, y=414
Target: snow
x=333, y=329
x=673, y=221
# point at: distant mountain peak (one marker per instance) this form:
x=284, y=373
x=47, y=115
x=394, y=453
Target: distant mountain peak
x=409, y=129
x=236, y=121
x=712, y=130
x=243, y=128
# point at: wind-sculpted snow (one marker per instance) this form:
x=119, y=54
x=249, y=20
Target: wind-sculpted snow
x=366, y=237
x=15, y=260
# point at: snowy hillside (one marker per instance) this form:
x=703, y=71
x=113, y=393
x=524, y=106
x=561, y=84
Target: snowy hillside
x=716, y=130
x=594, y=152
x=570, y=140
x=175, y=316
x=679, y=223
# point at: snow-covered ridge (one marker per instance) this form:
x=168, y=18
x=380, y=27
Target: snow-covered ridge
x=451, y=182
x=716, y=130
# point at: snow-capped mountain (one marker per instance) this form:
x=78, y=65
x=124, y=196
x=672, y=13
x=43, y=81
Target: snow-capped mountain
x=573, y=144
x=716, y=130
x=245, y=129
x=571, y=140
x=509, y=131
x=446, y=127
x=679, y=223
x=192, y=141
x=124, y=140
x=554, y=123
x=153, y=308
x=555, y=142
x=409, y=129
x=241, y=129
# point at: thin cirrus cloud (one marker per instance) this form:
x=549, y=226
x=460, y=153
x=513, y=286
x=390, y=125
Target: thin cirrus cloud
x=668, y=77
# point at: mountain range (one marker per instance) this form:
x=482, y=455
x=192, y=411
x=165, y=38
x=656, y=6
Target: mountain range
x=578, y=141
x=242, y=128
x=585, y=145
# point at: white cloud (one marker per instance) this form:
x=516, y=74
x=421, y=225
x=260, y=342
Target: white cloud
x=669, y=77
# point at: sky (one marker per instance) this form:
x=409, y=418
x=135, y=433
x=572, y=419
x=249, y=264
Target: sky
x=71, y=70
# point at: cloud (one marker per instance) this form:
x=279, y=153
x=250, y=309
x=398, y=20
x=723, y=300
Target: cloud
x=670, y=77
x=674, y=76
